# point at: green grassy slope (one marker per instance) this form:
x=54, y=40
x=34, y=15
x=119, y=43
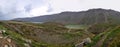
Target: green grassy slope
x=108, y=38
x=44, y=35
x=57, y=35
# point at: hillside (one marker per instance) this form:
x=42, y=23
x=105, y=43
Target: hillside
x=26, y=34
x=43, y=35
x=92, y=28
x=109, y=38
x=88, y=17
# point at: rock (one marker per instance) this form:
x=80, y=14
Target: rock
x=3, y=31
x=87, y=41
x=0, y=31
x=80, y=45
x=9, y=40
x=27, y=40
x=6, y=46
x=6, y=41
x=26, y=45
x=1, y=36
x=84, y=42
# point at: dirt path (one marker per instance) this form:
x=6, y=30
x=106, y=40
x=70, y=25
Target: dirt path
x=100, y=42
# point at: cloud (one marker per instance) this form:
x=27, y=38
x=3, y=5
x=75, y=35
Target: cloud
x=23, y=8
x=78, y=5
x=39, y=11
x=18, y=8
x=64, y=5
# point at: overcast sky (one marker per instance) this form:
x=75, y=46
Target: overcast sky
x=29, y=8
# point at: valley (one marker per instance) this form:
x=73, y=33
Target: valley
x=57, y=35
x=92, y=28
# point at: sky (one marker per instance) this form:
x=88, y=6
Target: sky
x=31, y=8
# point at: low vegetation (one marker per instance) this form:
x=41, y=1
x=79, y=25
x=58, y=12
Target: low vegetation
x=57, y=35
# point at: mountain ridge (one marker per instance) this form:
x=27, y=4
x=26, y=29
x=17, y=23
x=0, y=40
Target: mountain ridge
x=90, y=16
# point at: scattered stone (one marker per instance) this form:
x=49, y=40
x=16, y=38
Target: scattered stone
x=3, y=31
x=5, y=41
x=9, y=40
x=80, y=45
x=26, y=45
x=6, y=46
x=87, y=41
x=0, y=31
x=27, y=40
x=1, y=36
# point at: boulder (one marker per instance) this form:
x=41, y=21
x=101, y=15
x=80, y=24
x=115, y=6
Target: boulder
x=84, y=42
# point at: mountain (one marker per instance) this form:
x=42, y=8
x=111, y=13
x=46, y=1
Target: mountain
x=91, y=28
x=88, y=17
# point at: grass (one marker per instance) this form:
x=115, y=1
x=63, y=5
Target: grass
x=68, y=35
x=64, y=38
x=15, y=36
x=98, y=37
x=95, y=40
x=112, y=34
x=76, y=26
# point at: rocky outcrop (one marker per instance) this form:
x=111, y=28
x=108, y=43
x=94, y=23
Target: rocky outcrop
x=84, y=42
x=6, y=41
